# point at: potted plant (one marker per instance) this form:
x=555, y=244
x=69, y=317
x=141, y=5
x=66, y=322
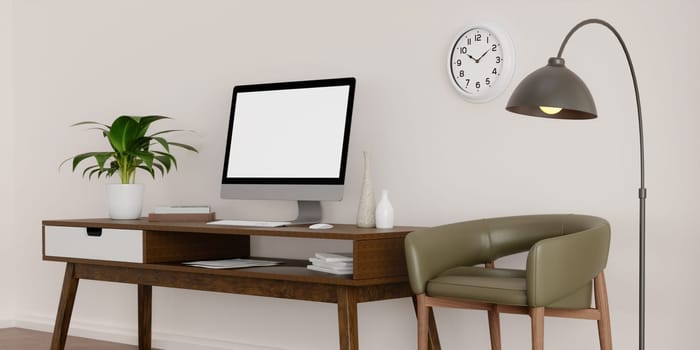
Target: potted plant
x=131, y=150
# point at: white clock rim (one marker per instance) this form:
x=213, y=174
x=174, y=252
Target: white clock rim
x=508, y=65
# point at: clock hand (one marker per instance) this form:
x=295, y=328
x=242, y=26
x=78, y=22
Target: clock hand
x=482, y=56
x=473, y=59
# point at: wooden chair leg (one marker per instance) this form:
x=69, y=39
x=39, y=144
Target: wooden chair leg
x=601, y=302
x=433, y=338
x=494, y=319
x=495, y=330
x=423, y=322
x=537, y=316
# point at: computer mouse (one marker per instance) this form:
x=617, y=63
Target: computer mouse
x=320, y=226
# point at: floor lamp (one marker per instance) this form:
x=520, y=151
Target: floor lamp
x=554, y=91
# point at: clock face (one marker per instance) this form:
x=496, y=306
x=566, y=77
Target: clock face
x=481, y=63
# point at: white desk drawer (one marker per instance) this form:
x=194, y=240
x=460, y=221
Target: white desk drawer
x=103, y=244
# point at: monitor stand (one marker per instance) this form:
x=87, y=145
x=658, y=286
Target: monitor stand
x=309, y=212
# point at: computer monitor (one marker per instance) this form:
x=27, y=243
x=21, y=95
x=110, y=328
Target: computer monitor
x=289, y=141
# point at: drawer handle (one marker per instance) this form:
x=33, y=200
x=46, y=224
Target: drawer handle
x=94, y=231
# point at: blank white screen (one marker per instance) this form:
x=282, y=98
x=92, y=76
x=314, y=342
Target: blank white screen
x=293, y=133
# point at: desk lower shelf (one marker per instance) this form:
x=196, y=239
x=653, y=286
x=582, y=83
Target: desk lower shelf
x=289, y=282
x=289, y=270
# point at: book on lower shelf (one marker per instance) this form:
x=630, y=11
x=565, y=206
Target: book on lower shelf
x=335, y=263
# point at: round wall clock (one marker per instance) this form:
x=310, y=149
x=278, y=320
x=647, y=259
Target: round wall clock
x=481, y=62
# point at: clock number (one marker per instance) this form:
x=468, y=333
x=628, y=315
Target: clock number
x=493, y=47
x=463, y=50
x=477, y=37
x=459, y=63
x=478, y=85
x=469, y=41
x=487, y=38
x=494, y=71
x=498, y=59
x=461, y=74
x=467, y=84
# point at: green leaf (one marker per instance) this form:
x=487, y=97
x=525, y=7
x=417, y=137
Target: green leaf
x=81, y=157
x=124, y=131
x=98, y=171
x=185, y=146
x=145, y=122
x=91, y=123
x=90, y=168
x=163, y=142
x=159, y=167
x=165, y=132
x=102, y=157
x=149, y=170
x=163, y=160
x=146, y=157
x=169, y=156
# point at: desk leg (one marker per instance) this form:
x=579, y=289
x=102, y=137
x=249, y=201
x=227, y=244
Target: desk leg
x=145, y=307
x=433, y=339
x=347, y=318
x=65, y=308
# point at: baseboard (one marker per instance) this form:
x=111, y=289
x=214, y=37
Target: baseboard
x=119, y=334
x=7, y=323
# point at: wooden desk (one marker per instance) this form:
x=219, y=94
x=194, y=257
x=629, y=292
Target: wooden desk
x=150, y=254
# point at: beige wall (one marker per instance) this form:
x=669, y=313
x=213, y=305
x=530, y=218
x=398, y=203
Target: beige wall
x=443, y=159
x=7, y=234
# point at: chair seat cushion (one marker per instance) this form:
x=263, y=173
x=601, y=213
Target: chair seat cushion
x=498, y=286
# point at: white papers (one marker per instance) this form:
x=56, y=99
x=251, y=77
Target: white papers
x=335, y=257
x=331, y=265
x=230, y=263
x=335, y=263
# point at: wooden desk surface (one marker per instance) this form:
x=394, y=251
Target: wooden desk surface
x=339, y=231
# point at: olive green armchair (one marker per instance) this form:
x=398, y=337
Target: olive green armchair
x=453, y=266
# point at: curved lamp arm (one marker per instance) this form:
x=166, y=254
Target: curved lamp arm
x=642, y=189
x=634, y=82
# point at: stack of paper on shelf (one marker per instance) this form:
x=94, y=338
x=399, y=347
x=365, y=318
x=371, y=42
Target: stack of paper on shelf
x=230, y=263
x=335, y=263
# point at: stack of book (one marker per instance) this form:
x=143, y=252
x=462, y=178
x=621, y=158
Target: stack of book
x=194, y=213
x=335, y=263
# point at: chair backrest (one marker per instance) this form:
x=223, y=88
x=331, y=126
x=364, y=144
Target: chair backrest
x=431, y=251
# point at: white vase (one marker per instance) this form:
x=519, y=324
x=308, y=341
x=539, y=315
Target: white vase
x=366, y=208
x=125, y=201
x=385, y=212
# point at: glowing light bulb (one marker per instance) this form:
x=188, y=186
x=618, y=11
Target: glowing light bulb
x=550, y=110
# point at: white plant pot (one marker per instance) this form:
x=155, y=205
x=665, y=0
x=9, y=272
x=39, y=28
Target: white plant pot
x=125, y=201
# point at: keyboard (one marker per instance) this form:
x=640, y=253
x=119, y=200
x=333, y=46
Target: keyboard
x=249, y=223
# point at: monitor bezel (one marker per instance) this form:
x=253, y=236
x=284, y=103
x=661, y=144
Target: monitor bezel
x=301, y=84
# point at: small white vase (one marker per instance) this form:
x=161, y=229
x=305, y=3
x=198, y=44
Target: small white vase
x=125, y=201
x=366, y=208
x=385, y=212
